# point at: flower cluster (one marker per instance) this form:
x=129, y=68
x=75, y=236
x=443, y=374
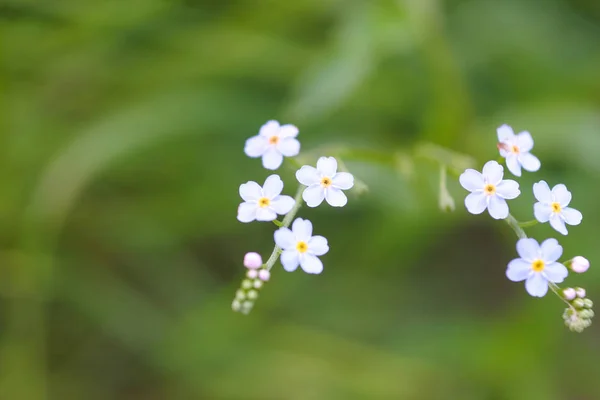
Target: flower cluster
x=538, y=264
x=296, y=246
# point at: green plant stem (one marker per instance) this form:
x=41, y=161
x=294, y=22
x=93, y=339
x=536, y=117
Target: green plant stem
x=528, y=224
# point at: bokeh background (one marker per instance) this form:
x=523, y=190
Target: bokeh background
x=121, y=150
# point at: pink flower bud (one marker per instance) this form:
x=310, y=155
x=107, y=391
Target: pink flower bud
x=264, y=275
x=580, y=292
x=569, y=294
x=580, y=264
x=252, y=273
x=252, y=260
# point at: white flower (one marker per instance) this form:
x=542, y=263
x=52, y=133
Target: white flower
x=300, y=247
x=324, y=182
x=516, y=148
x=552, y=206
x=488, y=190
x=272, y=143
x=263, y=204
x=537, y=266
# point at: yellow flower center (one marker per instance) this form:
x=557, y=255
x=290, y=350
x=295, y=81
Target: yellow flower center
x=274, y=140
x=302, y=247
x=515, y=149
x=538, y=265
x=326, y=182
x=556, y=207
x=263, y=202
x=489, y=189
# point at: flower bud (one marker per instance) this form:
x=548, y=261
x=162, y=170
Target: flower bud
x=246, y=284
x=258, y=284
x=264, y=275
x=252, y=294
x=580, y=292
x=578, y=303
x=236, y=305
x=587, y=303
x=252, y=273
x=569, y=294
x=252, y=260
x=586, y=314
x=579, y=264
x=240, y=295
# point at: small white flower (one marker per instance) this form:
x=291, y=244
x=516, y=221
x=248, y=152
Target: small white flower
x=300, y=247
x=488, y=190
x=537, y=266
x=324, y=182
x=580, y=264
x=263, y=204
x=272, y=143
x=516, y=148
x=552, y=206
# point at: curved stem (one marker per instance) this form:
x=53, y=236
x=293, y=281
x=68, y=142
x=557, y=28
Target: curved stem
x=528, y=224
x=514, y=224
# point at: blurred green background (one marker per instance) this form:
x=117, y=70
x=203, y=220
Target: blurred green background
x=121, y=145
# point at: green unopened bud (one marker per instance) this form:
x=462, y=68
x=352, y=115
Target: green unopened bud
x=252, y=294
x=258, y=284
x=578, y=303
x=587, y=303
x=236, y=305
x=586, y=314
x=246, y=284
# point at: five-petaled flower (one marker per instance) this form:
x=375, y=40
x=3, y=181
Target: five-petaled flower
x=300, y=247
x=537, y=266
x=272, y=143
x=263, y=204
x=516, y=148
x=488, y=190
x=324, y=182
x=552, y=206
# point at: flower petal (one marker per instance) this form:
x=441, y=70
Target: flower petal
x=558, y=224
x=542, y=192
x=308, y=175
x=513, y=165
x=497, y=207
x=250, y=191
x=572, y=216
x=505, y=133
x=493, y=172
x=289, y=147
x=272, y=159
x=317, y=245
x=561, y=195
x=288, y=131
x=529, y=162
x=256, y=146
x=246, y=212
x=272, y=187
x=302, y=229
x=556, y=272
x=476, y=203
x=270, y=128
x=524, y=141
x=542, y=212
x=282, y=204
x=343, y=180
x=265, y=214
x=290, y=260
x=311, y=264
x=518, y=270
x=471, y=180
x=508, y=189
x=550, y=250
x=285, y=239
x=335, y=197
x=313, y=195
x=536, y=285
x=327, y=166
x=528, y=249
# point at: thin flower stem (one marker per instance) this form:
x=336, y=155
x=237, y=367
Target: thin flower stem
x=514, y=224
x=528, y=224
x=278, y=223
x=284, y=224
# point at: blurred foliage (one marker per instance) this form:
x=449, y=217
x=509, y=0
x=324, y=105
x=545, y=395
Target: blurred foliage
x=123, y=126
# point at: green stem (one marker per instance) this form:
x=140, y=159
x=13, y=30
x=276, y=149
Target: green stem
x=277, y=223
x=514, y=224
x=528, y=224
